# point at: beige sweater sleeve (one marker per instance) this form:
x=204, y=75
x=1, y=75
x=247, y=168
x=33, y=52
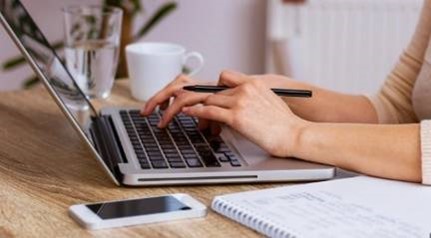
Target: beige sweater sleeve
x=393, y=103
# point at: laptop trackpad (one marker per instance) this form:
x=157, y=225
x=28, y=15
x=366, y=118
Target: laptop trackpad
x=249, y=151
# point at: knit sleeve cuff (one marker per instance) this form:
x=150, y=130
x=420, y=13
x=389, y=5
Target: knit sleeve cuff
x=378, y=107
x=426, y=151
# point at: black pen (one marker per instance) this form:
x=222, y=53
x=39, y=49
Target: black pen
x=279, y=91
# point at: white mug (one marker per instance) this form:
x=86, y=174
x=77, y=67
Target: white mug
x=153, y=65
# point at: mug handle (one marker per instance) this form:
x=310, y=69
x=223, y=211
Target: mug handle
x=199, y=58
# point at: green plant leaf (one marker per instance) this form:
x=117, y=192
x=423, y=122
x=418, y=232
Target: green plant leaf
x=31, y=82
x=116, y=3
x=13, y=62
x=161, y=13
x=17, y=61
x=58, y=45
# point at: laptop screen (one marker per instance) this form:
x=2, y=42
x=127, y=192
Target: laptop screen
x=49, y=67
x=45, y=57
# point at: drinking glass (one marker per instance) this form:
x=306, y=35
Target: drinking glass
x=92, y=40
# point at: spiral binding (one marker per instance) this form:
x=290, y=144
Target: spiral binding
x=246, y=217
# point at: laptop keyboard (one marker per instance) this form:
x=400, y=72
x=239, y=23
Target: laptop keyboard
x=181, y=145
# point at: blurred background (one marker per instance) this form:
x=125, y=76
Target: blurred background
x=346, y=45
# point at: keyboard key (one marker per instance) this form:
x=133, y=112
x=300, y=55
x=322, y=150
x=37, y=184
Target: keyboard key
x=136, y=143
x=151, y=144
x=148, y=142
x=172, y=154
x=187, y=151
x=154, y=153
x=235, y=163
x=207, y=156
x=175, y=164
x=231, y=155
x=177, y=159
x=190, y=156
x=182, y=143
x=210, y=160
x=223, y=158
x=152, y=149
x=193, y=163
x=156, y=158
x=168, y=147
x=196, y=140
x=159, y=164
x=141, y=155
x=201, y=147
x=145, y=165
x=167, y=151
x=143, y=160
x=185, y=147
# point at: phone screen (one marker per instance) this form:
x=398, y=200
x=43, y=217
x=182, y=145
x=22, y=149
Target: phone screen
x=136, y=207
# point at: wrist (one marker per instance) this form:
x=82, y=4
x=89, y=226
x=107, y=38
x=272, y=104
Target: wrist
x=295, y=139
x=300, y=138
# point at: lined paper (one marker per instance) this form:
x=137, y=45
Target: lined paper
x=359, y=207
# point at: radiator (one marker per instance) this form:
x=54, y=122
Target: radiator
x=345, y=45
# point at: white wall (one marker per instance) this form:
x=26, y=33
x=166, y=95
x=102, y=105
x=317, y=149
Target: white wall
x=230, y=34
x=344, y=45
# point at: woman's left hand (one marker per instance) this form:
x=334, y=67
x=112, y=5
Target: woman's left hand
x=252, y=109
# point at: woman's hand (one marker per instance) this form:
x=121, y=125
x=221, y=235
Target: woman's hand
x=180, y=98
x=252, y=109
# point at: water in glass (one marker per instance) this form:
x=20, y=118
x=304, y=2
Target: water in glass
x=93, y=64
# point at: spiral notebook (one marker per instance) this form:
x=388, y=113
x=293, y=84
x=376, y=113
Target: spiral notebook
x=355, y=207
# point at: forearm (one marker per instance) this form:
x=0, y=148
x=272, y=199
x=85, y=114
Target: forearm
x=329, y=106
x=389, y=151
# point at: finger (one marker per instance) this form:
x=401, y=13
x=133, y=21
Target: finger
x=227, y=92
x=203, y=124
x=232, y=78
x=219, y=100
x=215, y=128
x=165, y=93
x=213, y=113
x=161, y=97
x=184, y=99
x=165, y=104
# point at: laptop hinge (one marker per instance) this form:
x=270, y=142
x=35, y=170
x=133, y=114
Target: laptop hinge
x=106, y=142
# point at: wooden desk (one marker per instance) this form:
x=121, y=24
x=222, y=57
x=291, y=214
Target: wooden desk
x=45, y=168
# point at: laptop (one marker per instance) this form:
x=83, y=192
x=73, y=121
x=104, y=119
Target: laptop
x=130, y=148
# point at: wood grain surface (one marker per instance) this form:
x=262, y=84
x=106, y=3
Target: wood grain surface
x=45, y=168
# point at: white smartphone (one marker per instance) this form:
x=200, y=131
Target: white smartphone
x=137, y=211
